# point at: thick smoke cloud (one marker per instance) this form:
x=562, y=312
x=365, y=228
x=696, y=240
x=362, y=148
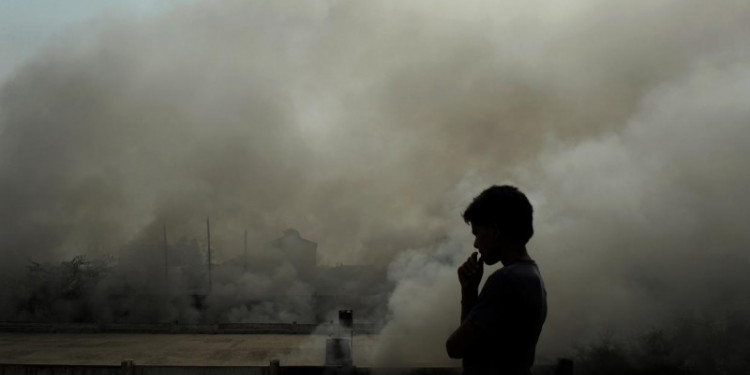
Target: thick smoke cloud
x=642, y=222
x=369, y=126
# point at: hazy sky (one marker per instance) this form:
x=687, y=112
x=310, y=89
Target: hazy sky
x=27, y=25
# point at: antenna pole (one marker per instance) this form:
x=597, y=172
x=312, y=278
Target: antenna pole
x=245, y=252
x=166, y=257
x=208, y=236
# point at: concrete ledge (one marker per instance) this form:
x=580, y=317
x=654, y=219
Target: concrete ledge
x=128, y=368
x=224, y=328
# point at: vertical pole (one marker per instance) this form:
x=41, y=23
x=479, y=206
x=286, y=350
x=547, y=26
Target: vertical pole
x=245, y=252
x=166, y=257
x=208, y=236
x=127, y=367
x=564, y=366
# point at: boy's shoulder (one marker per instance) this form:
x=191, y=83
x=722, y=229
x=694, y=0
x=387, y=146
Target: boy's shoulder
x=515, y=269
x=513, y=273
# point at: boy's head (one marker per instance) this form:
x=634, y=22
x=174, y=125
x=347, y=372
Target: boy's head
x=501, y=216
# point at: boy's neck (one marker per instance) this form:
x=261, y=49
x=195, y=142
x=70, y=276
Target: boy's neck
x=519, y=255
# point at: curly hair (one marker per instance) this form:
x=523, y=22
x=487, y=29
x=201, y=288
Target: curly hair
x=505, y=207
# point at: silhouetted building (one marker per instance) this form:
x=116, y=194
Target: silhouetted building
x=297, y=251
x=362, y=288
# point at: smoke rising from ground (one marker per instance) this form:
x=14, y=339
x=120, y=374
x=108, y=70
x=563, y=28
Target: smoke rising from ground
x=369, y=126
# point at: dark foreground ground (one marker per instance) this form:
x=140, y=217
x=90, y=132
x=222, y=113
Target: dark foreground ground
x=178, y=354
x=172, y=349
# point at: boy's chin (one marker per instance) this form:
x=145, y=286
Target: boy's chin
x=489, y=261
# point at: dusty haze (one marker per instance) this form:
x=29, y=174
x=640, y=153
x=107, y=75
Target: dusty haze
x=368, y=126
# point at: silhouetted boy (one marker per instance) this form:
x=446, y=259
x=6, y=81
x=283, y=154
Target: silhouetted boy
x=499, y=326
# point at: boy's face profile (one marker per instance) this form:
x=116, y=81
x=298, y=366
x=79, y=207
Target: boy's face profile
x=487, y=242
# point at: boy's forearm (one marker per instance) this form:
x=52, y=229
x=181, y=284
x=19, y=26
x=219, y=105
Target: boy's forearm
x=468, y=300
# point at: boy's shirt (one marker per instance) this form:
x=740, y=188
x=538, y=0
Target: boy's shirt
x=510, y=311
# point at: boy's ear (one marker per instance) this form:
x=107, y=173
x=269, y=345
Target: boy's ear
x=495, y=231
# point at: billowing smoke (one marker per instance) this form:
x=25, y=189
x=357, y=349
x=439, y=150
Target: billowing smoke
x=369, y=126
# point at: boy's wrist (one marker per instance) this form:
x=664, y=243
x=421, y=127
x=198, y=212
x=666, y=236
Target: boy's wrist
x=473, y=290
x=469, y=295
